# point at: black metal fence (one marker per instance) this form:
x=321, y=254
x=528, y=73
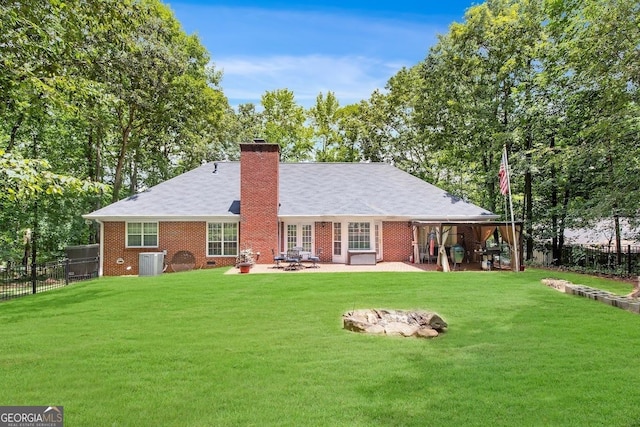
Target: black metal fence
x=598, y=260
x=20, y=280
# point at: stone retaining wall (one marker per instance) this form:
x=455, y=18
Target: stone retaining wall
x=605, y=297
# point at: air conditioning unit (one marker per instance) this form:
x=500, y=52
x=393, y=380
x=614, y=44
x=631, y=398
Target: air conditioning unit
x=150, y=263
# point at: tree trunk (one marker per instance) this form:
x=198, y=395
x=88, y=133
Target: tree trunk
x=133, y=173
x=124, y=142
x=616, y=225
x=487, y=164
x=616, y=216
x=14, y=133
x=528, y=197
x=93, y=162
x=555, y=250
x=563, y=219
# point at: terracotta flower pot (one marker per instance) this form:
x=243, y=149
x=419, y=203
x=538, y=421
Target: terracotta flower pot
x=244, y=268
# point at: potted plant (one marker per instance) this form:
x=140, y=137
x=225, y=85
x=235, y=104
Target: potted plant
x=245, y=260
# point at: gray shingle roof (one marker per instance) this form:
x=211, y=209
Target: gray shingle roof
x=306, y=189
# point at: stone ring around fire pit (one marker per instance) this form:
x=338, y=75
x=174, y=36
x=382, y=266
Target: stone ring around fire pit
x=422, y=324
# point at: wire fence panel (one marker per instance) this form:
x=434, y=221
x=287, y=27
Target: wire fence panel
x=23, y=280
x=596, y=260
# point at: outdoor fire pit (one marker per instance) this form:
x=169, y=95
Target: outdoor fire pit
x=419, y=323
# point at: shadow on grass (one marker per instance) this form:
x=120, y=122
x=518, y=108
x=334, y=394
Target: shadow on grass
x=59, y=299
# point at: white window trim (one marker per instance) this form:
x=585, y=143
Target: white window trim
x=206, y=248
x=373, y=222
x=377, y=240
x=299, y=234
x=126, y=234
x=371, y=225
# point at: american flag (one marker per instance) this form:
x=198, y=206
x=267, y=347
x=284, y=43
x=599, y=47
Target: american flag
x=503, y=174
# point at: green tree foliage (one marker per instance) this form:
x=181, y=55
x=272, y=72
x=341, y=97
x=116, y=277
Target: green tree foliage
x=554, y=81
x=246, y=124
x=599, y=45
x=324, y=119
x=113, y=92
x=284, y=124
x=117, y=93
x=32, y=195
x=352, y=135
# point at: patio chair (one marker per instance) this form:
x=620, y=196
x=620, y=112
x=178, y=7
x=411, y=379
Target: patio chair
x=315, y=259
x=277, y=259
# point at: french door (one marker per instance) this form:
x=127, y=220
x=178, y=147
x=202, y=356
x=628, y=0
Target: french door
x=339, y=251
x=299, y=235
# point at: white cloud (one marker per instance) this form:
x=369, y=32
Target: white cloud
x=308, y=51
x=350, y=78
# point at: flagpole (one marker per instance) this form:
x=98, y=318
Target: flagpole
x=513, y=223
x=505, y=166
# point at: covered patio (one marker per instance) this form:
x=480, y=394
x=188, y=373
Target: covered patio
x=481, y=245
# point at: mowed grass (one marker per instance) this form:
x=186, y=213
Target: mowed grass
x=206, y=349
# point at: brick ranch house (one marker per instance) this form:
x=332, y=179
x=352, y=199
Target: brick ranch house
x=347, y=209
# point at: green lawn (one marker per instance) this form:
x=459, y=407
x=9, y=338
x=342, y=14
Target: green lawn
x=206, y=349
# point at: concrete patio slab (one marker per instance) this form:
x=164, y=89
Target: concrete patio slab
x=340, y=268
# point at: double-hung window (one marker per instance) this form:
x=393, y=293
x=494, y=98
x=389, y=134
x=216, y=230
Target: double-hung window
x=359, y=235
x=142, y=234
x=222, y=239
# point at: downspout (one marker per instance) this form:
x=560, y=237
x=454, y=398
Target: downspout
x=278, y=245
x=101, y=263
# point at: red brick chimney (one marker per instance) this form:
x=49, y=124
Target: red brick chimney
x=259, y=197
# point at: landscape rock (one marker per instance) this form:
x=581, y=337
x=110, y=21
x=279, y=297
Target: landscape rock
x=418, y=323
x=426, y=333
x=400, y=328
x=375, y=329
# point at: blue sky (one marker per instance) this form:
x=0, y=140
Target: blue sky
x=348, y=47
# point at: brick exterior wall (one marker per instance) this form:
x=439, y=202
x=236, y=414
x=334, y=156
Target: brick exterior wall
x=324, y=240
x=177, y=236
x=396, y=241
x=259, y=198
x=114, y=247
x=466, y=239
x=172, y=236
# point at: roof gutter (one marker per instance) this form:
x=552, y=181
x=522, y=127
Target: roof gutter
x=466, y=220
